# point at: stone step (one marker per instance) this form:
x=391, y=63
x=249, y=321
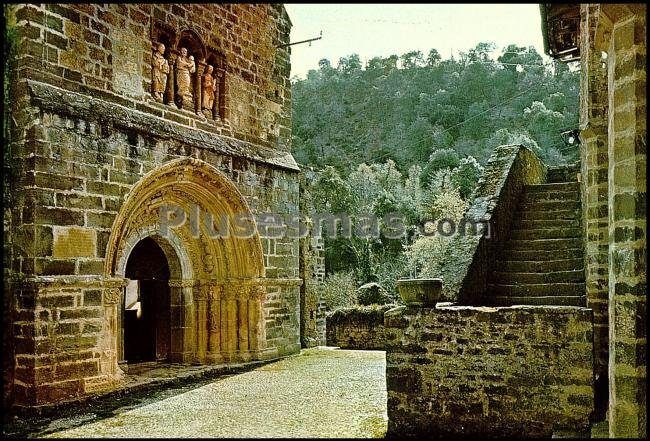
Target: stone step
x=563, y=173
x=542, y=255
x=545, y=300
x=555, y=186
x=520, y=224
x=538, y=289
x=543, y=244
x=546, y=233
x=549, y=196
x=549, y=206
x=539, y=214
x=540, y=266
x=513, y=278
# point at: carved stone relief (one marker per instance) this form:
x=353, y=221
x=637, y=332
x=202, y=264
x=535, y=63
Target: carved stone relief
x=191, y=76
x=160, y=72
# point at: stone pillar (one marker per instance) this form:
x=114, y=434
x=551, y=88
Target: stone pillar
x=242, y=324
x=171, y=79
x=217, y=94
x=112, y=346
x=627, y=220
x=222, y=109
x=594, y=164
x=260, y=298
x=201, y=294
x=229, y=318
x=231, y=322
x=183, y=345
x=256, y=337
x=214, y=348
x=198, y=87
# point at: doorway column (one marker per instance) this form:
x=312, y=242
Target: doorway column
x=214, y=323
x=182, y=320
x=201, y=295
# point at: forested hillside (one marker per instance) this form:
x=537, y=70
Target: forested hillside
x=348, y=114
x=409, y=134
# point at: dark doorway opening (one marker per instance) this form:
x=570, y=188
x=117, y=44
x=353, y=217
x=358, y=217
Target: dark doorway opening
x=147, y=305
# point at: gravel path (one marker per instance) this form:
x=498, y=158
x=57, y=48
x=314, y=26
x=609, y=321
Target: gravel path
x=318, y=393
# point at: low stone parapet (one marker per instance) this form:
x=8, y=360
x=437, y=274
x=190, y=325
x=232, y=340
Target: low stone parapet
x=463, y=370
x=357, y=327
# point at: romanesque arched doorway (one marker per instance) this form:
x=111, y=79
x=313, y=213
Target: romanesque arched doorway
x=216, y=282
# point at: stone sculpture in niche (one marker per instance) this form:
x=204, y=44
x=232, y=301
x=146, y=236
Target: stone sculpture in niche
x=160, y=71
x=209, y=86
x=184, y=68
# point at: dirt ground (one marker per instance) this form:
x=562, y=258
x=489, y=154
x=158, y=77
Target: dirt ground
x=320, y=393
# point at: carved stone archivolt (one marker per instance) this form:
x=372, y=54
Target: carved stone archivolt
x=186, y=74
x=224, y=303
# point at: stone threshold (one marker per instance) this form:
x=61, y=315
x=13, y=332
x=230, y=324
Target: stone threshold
x=147, y=382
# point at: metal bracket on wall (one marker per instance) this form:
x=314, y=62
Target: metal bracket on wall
x=302, y=41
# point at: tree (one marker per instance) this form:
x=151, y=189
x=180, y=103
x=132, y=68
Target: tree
x=412, y=140
x=439, y=159
x=466, y=176
x=411, y=60
x=433, y=58
x=349, y=64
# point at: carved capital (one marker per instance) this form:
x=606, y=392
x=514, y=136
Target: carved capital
x=257, y=292
x=112, y=296
x=235, y=289
x=216, y=291
x=181, y=283
x=202, y=293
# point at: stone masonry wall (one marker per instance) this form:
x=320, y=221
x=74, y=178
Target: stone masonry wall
x=312, y=307
x=357, y=327
x=312, y=271
x=84, y=130
x=108, y=48
x=505, y=371
x=626, y=82
x=594, y=171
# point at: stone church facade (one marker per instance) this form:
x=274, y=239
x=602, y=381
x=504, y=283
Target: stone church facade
x=116, y=112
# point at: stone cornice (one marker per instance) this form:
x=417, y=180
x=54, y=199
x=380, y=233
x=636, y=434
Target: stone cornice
x=66, y=102
x=118, y=282
x=73, y=281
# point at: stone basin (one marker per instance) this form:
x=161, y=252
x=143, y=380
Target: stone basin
x=420, y=292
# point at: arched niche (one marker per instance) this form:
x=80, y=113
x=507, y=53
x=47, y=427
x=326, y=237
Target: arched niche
x=165, y=34
x=217, y=59
x=191, y=41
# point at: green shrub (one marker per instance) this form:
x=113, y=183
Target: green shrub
x=339, y=290
x=372, y=294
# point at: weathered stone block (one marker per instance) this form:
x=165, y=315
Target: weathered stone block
x=70, y=242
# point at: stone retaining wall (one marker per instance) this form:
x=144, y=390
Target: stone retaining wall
x=462, y=370
x=358, y=327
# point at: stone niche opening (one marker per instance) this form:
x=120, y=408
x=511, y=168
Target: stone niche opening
x=190, y=41
x=188, y=74
x=218, y=61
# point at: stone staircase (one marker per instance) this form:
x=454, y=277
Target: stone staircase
x=542, y=262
